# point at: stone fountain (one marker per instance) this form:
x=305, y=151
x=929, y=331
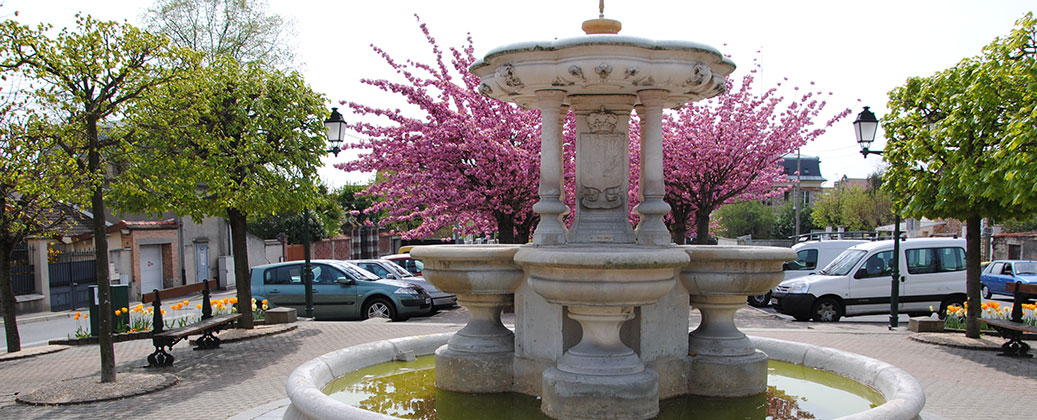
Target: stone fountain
x=602, y=308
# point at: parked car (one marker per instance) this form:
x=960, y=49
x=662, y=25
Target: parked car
x=389, y=270
x=1001, y=272
x=340, y=291
x=857, y=282
x=410, y=264
x=810, y=257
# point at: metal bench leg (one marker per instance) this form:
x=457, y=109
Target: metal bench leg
x=208, y=341
x=1015, y=347
x=160, y=358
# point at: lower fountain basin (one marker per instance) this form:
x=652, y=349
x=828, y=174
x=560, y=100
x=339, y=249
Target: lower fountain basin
x=903, y=395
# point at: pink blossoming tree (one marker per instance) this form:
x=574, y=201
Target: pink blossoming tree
x=730, y=149
x=470, y=163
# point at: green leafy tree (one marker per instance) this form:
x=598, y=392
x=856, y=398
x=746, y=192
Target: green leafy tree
x=243, y=142
x=245, y=30
x=785, y=220
x=87, y=77
x=962, y=144
x=326, y=221
x=853, y=208
x=36, y=181
x=746, y=218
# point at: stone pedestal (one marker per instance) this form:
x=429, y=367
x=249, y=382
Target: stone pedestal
x=479, y=357
x=281, y=315
x=724, y=363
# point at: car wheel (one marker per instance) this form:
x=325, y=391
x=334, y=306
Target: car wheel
x=985, y=291
x=760, y=301
x=827, y=309
x=379, y=308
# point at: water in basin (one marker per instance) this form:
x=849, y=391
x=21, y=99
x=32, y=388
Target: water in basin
x=407, y=390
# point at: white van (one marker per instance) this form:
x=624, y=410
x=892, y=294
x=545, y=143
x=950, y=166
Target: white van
x=857, y=282
x=810, y=257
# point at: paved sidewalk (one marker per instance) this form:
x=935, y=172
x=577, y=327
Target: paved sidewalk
x=246, y=379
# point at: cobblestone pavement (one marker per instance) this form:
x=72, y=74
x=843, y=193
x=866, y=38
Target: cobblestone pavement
x=959, y=384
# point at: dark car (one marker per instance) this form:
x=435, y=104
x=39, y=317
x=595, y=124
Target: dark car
x=414, y=266
x=340, y=291
x=1001, y=272
x=389, y=270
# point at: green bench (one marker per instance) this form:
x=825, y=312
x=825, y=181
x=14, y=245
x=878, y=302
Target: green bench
x=1014, y=328
x=207, y=326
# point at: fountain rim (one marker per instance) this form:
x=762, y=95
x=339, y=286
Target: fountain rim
x=903, y=394
x=605, y=40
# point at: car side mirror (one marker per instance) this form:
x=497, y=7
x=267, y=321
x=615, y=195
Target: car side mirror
x=861, y=273
x=786, y=266
x=392, y=276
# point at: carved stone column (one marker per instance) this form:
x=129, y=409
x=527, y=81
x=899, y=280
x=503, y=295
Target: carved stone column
x=550, y=230
x=651, y=230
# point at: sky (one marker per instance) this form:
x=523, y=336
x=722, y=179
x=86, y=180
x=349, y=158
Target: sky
x=858, y=51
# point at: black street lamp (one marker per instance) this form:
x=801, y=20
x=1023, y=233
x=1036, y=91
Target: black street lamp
x=336, y=130
x=864, y=128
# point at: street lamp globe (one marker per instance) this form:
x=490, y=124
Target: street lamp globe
x=864, y=128
x=336, y=126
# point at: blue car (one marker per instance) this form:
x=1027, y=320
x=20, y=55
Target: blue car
x=340, y=291
x=1001, y=272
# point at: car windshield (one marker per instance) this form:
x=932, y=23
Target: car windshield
x=845, y=262
x=358, y=272
x=1025, y=268
x=399, y=271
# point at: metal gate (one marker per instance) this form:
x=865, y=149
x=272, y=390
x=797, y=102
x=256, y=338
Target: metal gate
x=22, y=270
x=70, y=281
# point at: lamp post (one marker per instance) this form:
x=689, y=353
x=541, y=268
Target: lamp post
x=336, y=130
x=864, y=127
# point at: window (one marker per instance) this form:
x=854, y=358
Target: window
x=291, y=274
x=951, y=259
x=879, y=265
x=1025, y=268
x=323, y=274
x=1015, y=252
x=805, y=260
x=845, y=262
x=996, y=268
x=933, y=260
x=377, y=269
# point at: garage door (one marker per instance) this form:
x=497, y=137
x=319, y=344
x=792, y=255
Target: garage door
x=150, y=267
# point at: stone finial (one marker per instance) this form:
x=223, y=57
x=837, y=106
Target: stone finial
x=601, y=25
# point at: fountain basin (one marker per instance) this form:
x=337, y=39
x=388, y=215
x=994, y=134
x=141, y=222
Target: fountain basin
x=717, y=270
x=601, y=275
x=471, y=269
x=603, y=64
x=903, y=395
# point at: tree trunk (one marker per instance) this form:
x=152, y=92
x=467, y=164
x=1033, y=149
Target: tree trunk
x=506, y=230
x=242, y=282
x=104, y=290
x=972, y=269
x=14, y=341
x=702, y=227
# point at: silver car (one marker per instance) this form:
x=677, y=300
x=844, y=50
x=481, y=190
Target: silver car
x=389, y=270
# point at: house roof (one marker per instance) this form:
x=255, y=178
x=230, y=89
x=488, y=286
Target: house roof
x=1016, y=235
x=809, y=168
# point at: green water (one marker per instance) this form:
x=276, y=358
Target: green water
x=407, y=389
